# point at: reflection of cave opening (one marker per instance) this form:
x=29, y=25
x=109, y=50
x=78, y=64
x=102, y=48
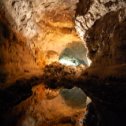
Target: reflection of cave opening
x=74, y=54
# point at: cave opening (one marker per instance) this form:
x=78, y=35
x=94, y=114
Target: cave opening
x=74, y=54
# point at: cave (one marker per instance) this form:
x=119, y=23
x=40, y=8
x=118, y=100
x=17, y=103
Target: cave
x=62, y=62
x=74, y=54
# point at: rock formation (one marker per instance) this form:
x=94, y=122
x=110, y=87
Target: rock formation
x=47, y=25
x=35, y=33
x=101, y=24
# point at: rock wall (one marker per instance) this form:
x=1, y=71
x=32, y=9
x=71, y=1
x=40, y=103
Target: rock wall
x=48, y=25
x=45, y=24
x=97, y=24
x=15, y=57
x=27, y=13
x=34, y=33
x=102, y=24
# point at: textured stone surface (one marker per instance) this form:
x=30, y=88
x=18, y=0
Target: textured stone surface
x=34, y=33
x=27, y=13
x=46, y=29
x=15, y=58
x=48, y=25
x=101, y=24
x=89, y=11
x=107, y=37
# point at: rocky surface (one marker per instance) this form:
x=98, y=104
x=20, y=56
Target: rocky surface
x=34, y=33
x=48, y=25
x=27, y=13
x=45, y=29
x=106, y=88
x=89, y=11
x=15, y=58
x=102, y=25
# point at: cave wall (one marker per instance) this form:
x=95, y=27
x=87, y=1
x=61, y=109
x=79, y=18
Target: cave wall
x=33, y=34
x=98, y=24
x=16, y=60
x=47, y=25
x=102, y=25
